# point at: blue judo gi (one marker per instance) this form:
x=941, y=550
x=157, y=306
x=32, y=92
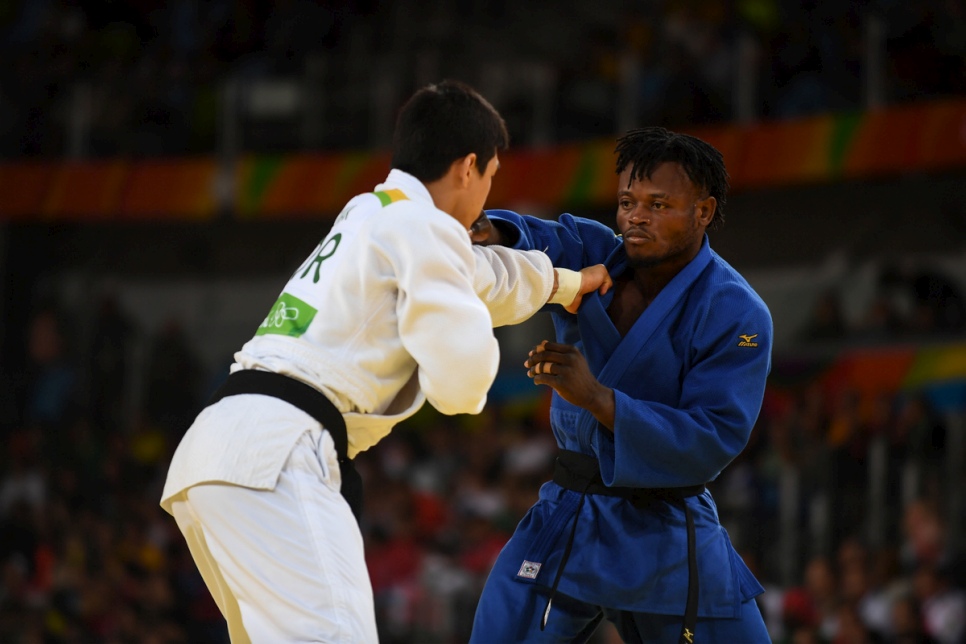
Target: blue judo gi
x=688, y=381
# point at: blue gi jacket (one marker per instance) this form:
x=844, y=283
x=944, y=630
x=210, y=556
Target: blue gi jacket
x=688, y=382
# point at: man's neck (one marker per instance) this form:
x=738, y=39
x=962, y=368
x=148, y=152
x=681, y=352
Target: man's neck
x=651, y=280
x=444, y=197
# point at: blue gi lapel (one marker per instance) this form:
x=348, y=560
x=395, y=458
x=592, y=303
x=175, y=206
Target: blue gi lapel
x=597, y=332
x=595, y=323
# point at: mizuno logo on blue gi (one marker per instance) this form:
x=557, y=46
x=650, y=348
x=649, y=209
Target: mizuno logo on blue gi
x=746, y=340
x=529, y=570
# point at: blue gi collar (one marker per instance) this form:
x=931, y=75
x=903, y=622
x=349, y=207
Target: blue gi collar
x=595, y=323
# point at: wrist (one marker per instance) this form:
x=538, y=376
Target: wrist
x=566, y=286
x=603, y=406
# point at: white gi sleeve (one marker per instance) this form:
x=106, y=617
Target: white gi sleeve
x=513, y=284
x=443, y=324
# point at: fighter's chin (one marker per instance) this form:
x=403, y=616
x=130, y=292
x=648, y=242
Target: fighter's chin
x=642, y=261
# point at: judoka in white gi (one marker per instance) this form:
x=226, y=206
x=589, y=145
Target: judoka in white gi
x=657, y=385
x=384, y=315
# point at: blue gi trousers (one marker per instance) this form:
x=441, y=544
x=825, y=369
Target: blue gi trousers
x=510, y=611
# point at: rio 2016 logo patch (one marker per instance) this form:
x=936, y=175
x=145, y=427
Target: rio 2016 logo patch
x=289, y=316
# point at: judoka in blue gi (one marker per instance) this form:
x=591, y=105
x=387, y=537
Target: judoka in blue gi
x=656, y=387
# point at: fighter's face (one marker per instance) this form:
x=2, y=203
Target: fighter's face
x=662, y=217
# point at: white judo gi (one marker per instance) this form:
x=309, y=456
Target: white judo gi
x=394, y=307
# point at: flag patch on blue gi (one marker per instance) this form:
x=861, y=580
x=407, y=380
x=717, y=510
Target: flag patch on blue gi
x=529, y=570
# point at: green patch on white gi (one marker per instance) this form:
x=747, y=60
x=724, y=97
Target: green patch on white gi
x=289, y=316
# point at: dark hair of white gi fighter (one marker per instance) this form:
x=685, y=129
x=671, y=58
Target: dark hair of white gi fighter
x=442, y=123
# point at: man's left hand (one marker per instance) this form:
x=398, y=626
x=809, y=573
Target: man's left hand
x=564, y=368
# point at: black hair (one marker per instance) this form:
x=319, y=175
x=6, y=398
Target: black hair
x=646, y=148
x=444, y=122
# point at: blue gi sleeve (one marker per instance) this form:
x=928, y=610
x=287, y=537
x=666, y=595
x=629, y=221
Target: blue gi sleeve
x=570, y=242
x=660, y=445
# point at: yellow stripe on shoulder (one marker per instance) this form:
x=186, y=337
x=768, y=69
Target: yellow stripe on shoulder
x=387, y=197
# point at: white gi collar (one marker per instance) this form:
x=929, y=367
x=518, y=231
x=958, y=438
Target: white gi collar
x=410, y=185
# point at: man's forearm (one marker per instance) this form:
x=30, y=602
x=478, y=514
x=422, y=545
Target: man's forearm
x=604, y=407
x=513, y=284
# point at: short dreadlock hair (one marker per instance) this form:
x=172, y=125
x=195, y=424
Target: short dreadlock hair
x=644, y=149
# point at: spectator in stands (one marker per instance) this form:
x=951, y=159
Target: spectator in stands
x=812, y=607
x=851, y=628
x=931, y=301
x=865, y=603
x=907, y=622
x=23, y=486
x=943, y=605
x=918, y=446
x=173, y=380
x=887, y=582
x=923, y=535
x=881, y=320
x=848, y=441
x=51, y=396
x=827, y=321
x=588, y=92
x=916, y=66
x=939, y=303
x=108, y=364
x=799, y=618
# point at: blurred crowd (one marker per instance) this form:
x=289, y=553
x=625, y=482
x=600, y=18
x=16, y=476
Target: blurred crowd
x=909, y=301
x=147, y=77
x=850, y=496
x=86, y=553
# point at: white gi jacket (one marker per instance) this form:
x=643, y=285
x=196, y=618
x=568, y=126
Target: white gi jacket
x=394, y=307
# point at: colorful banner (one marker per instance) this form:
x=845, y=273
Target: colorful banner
x=938, y=371
x=187, y=189
x=833, y=147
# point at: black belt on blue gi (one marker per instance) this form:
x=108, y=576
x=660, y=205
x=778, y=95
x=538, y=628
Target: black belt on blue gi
x=581, y=473
x=314, y=403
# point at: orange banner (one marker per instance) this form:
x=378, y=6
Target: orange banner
x=832, y=147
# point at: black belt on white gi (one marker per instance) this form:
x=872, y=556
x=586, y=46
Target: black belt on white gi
x=314, y=403
x=581, y=473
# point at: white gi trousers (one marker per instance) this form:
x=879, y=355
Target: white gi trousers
x=283, y=565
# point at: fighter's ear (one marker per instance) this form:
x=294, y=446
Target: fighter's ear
x=705, y=209
x=463, y=167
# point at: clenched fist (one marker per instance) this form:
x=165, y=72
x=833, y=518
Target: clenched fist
x=564, y=368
